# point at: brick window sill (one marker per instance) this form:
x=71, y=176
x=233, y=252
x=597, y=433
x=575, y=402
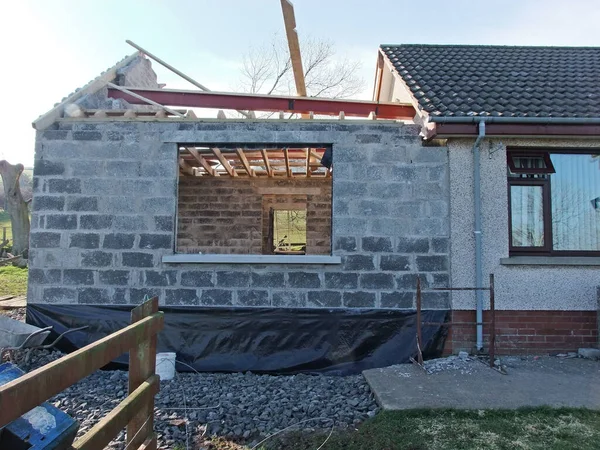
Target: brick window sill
x=551, y=261
x=182, y=258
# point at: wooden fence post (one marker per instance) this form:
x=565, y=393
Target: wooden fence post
x=142, y=362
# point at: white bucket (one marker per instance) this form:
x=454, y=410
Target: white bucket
x=165, y=365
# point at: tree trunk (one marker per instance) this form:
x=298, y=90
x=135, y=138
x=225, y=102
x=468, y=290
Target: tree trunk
x=17, y=208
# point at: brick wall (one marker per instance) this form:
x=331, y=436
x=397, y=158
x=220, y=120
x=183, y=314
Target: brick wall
x=528, y=332
x=105, y=200
x=224, y=215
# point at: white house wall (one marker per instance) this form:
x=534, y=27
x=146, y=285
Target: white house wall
x=521, y=287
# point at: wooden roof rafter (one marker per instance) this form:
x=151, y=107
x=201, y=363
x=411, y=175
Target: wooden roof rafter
x=230, y=170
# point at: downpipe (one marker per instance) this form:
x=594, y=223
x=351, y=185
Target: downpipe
x=477, y=232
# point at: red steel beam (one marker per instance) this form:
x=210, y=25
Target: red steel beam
x=256, y=102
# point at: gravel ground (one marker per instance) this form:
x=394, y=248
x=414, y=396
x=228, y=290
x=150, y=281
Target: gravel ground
x=243, y=407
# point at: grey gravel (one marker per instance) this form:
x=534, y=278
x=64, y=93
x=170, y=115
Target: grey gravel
x=462, y=363
x=240, y=406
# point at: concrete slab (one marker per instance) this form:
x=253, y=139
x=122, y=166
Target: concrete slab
x=11, y=302
x=548, y=381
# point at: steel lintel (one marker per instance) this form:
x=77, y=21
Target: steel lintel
x=256, y=102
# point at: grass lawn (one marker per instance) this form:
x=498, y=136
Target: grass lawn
x=13, y=281
x=531, y=429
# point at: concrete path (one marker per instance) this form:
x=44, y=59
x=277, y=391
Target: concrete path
x=548, y=380
x=10, y=302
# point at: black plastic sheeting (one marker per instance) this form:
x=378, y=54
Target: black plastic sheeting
x=262, y=340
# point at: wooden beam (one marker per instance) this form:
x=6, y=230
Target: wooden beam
x=289, y=20
x=224, y=162
x=100, y=435
x=315, y=155
x=288, y=169
x=244, y=161
x=308, y=162
x=203, y=162
x=267, y=163
x=185, y=167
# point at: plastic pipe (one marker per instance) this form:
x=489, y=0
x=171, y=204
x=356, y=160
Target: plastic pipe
x=477, y=232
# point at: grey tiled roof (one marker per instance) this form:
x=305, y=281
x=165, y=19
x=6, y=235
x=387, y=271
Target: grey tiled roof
x=474, y=80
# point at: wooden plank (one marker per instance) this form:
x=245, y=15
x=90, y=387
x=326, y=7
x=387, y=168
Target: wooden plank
x=308, y=162
x=224, y=162
x=37, y=386
x=98, y=437
x=203, y=162
x=244, y=161
x=142, y=362
x=315, y=155
x=47, y=119
x=289, y=20
x=288, y=169
x=185, y=167
x=149, y=444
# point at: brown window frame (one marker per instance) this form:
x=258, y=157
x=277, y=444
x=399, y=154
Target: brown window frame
x=546, y=249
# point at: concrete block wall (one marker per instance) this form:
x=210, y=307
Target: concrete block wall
x=231, y=216
x=105, y=200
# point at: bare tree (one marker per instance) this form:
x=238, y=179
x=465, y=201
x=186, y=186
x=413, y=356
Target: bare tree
x=16, y=206
x=268, y=70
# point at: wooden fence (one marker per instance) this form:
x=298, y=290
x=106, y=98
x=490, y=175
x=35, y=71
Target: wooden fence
x=136, y=411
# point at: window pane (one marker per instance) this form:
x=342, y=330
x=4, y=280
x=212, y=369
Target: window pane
x=575, y=193
x=289, y=231
x=527, y=216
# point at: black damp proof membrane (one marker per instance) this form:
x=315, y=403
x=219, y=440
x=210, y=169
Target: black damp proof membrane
x=260, y=340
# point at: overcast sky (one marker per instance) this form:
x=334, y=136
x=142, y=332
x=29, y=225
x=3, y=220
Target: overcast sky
x=49, y=48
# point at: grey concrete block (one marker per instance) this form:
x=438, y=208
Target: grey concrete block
x=394, y=262
x=401, y=300
x=118, y=241
x=59, y=295
x=233, y=279
x=138, y=259
x=216, y=297
x=96, y=259
x=266, y=279
x=376, y=244
x=436, y=300
x=48, y=203
x=253, y=297
x=87, y=135
x=93, y=296
x=351, y=189
x=341, y=280
x=409, y=281
x=440, y=245
x=368, y=138
x=43, y=167
x=61, y=221
x=161, y=278
x=78, y=277
x=156, y=241
x=440, y=280
x=412, y=245
x=129, y=223
x=48, y=276
x=44, y=239
x=84, y=168
x=114, y=277
x=164, y=223
x=84, y=240
x=359, y=299
x=64, y=186
x=55, y=135
x=95, y=221
x=303, y=280
x=139, y=295
x=434, y=263
x=325, y=299
x=405, y=173
x=289, y=299
x=181, y=297
x=358, y=262
x=120, y=296
x=159, y=205
x=377, y=281
x=196, y=278
x=347, y=244
x=82, y=204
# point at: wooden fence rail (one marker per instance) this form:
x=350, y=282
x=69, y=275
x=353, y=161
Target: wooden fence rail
x=136, y=411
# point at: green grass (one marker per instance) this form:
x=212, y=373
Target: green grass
x=530, y=429
x=13, y=281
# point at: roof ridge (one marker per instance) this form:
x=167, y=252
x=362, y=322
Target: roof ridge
x=492, y=46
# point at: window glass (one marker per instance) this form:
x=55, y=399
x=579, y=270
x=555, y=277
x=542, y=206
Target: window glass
x=575, y=194
x=527, y=212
